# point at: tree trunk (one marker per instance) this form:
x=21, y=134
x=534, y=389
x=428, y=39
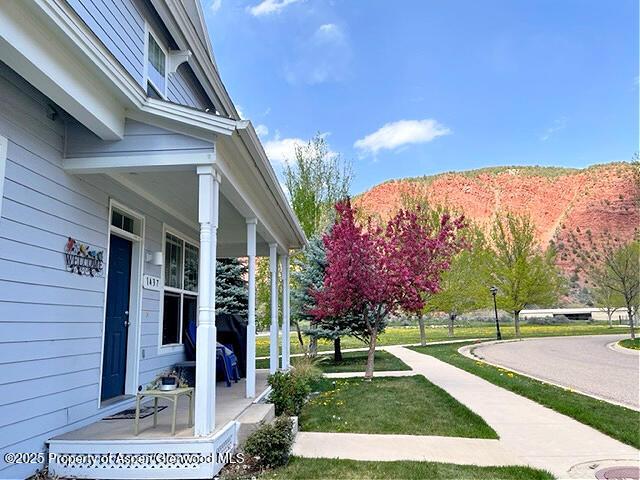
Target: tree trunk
x=313, y=346
x=516, y=321
x=423, y=333
x=452, y=318
x=300, y=339
x=337, y=352
x=631, y=325
x=371, y=355
x=610, y=317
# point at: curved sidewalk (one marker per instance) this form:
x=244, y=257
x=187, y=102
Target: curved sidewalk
x=543, y=438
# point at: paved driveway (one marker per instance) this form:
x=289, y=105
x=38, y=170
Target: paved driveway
x=584, y=363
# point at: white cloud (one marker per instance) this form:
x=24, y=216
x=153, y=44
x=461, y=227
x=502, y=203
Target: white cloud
x=558, y=124
x=262, y=130
x=279, y=150
x=267, y=7
x=325, y=56
x=215, y=5
x=400, y=133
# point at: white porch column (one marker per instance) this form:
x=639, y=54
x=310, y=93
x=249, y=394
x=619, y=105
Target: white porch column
x=251, y=325
x=208, y=191
x=273, y=343
x=286, y=325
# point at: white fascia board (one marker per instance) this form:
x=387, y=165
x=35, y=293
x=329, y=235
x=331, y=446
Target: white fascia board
x=35, y=53
x=132, y=163
x=251, y=141
x=189, y=116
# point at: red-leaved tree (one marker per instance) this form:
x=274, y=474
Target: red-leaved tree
x=374, y=271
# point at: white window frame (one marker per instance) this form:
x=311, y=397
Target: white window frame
x=149, y=31
x=4, y=144
x=175, y=347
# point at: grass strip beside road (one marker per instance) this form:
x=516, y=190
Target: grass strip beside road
x=321, y=468
x=618, y=422
x=352, y=362
x=411, y=335
x=629, y=343
x=390, y=405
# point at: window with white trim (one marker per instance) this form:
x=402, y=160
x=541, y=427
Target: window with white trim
x=180, y=288
x=156, y=67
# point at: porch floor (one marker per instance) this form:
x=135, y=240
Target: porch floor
x=230, y=403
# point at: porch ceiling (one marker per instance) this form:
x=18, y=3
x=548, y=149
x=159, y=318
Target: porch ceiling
x=177, y=192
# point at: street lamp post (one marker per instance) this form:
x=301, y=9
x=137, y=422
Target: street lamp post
x=494, y=292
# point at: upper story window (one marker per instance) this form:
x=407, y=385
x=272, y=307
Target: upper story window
x=156, y=67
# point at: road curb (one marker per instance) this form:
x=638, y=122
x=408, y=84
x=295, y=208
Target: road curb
x=617, y=348
x=467, y=351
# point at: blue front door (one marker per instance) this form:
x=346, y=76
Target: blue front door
x=117, y=318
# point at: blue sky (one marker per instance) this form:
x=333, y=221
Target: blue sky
x=413, y=87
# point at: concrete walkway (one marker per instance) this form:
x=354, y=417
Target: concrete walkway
x=541, y=437
x=362, y=446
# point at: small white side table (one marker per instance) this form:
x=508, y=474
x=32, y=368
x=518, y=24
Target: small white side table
x=170, y=395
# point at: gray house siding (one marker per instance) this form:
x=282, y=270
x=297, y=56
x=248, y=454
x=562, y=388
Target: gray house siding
x=120, y=26
x=51, y=320
x=139, y=138
x=183, y=88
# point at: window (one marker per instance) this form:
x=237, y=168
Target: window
x=156, y=67
x=180, y=302
x=125, y=222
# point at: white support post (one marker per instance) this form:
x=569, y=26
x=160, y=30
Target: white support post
x=286, y=325
x=273, y=342
x=208, y=191
x=251, y=326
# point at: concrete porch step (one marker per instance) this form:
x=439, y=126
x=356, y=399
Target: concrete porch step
x=252, y=417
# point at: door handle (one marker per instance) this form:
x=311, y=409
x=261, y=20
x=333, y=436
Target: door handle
x=126, y=312
x=127, y=323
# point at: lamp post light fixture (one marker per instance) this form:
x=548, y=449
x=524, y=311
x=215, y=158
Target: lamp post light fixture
x=494, y=292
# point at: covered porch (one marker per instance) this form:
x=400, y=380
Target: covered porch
x=232, y=403
x=218, y=185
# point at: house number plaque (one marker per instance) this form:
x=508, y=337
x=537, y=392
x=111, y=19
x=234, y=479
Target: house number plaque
x=150, y=282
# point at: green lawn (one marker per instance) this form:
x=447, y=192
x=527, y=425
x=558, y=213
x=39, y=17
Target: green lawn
x=400, y=405
x=320, y=468
x=617, y=422
x=409, y=335
x=352, y=362
x=628, y=343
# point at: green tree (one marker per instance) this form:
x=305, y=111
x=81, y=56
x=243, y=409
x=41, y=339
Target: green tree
x=463, y=287
x=307, y=276
x=524, y=274
x=619, y=272
x=231, y=287
x=605, y=298
x=315, y=179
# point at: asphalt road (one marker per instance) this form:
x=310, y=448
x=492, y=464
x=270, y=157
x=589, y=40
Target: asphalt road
x=583, y=363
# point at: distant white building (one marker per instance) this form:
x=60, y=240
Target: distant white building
x=587, y=313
